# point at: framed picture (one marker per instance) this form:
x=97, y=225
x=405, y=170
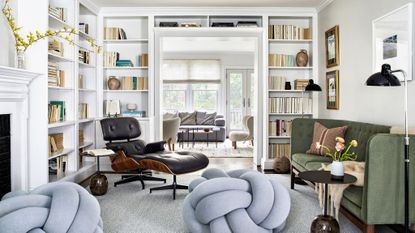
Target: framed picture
x=332, y=47
x=332, y=89
x=393, y=41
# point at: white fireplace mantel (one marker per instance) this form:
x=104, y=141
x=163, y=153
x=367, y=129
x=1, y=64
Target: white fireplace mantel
x=14, y=100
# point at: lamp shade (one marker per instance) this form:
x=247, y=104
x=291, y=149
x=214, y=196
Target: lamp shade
x=383, y=78
x=312, y=86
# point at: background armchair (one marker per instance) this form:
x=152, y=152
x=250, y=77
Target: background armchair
x=246, y=135
x=170, y=130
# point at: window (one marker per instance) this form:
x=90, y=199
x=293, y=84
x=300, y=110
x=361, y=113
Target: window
x=174, y=97
x=205, y=97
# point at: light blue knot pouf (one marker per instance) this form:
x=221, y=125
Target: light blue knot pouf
x=58, y=207
x=237, y=201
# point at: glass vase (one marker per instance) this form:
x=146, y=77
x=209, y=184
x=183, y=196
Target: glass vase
x=21, y=60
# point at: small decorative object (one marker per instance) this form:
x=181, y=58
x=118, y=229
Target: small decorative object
x=281, y=165
x=332, y=89
x=392, y=41
x=131, y=107
x=23, y=42
x=223, y=24
x=287, y=85
x=332, y=47
x=339, y=155
x=190, y=25
x=113, y=83
x=99, y=185
x=302, y=58
x=168, y=24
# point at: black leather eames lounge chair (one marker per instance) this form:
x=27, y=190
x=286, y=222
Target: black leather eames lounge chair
x=134, y=154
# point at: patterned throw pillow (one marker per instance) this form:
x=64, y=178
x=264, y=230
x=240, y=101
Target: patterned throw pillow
x=209, y=119
x=325, y=137
x=187, y=118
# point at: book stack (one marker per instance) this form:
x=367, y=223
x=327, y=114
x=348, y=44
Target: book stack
x=288, y=32
x=58, y=166
x=58, y=12
x=114, y=33
x=84, y=27
x=55, y=143
x=290, y=105
x=247, y=24
x=83, y=111
x=134, y=114
x=111, y=58
x=143, y=60
x=279, y=128
x=84, y=56
x=81, y=138
x=56, y=48
x=134, y=83
x=276, y=82
x=300, y=84
x=281, y=60
x=279, y=150
x=56, y=77
x=56, y=111
x=124, y=63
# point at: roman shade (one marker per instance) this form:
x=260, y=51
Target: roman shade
x=188, y=71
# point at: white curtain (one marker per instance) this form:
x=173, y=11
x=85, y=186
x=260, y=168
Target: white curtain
x=186, y=71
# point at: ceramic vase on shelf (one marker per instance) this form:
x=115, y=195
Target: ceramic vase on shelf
x=337, y=170
x=302, y=58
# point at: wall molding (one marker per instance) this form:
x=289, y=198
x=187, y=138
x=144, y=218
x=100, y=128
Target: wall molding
x=323, y=5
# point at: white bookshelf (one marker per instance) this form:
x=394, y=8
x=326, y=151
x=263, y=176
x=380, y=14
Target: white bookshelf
x=291, y=73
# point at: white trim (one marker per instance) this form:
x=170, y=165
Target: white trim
x=323, y=5
x=91, y=6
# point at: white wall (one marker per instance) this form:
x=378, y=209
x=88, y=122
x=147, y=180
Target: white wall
x=357, y=101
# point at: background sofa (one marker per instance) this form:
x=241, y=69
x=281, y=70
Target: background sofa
x=380, y=201
x=198, y=118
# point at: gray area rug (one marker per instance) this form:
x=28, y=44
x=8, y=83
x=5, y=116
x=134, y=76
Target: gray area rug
x=223, y=149
x=128, y=209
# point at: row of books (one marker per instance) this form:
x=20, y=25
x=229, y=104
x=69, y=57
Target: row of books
x=81, y=138
x=55, y=143
x=84, y=27
x=143, y=60
x=56, y=48
x=84, y=56
x=58, y=166
x=276, y=82
x=288, y=32
x=56, y=77
x=114, y=33
x=134, y=114
x=279, y=128
x=83, y=111
x=281, y=60
x=81, y=81
x=111, y=58
x=56, y=111
x=58, y=12
x=279, y=150
x=134, y=83
x=124, y=63
x=300, y=84
x=290, y=105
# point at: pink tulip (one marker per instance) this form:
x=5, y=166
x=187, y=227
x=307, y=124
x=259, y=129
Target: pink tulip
x=339, y=146
x=340, y=139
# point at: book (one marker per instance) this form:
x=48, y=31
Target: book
x=114, y=33
x=112, y=107
x=111, y=58
x=99, y=152
x=60, y=107
x=288, y=32
x=83, y=111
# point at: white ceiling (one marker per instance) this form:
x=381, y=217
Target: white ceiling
x=208, y=3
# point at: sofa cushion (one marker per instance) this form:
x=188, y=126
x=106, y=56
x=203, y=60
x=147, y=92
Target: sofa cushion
x=326, y=137
x=187, y=118
x=200, y=117
x=209, y=119
x=354, y=194
x=310, y=160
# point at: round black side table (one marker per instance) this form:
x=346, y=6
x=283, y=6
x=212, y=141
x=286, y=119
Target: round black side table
x=325, y=223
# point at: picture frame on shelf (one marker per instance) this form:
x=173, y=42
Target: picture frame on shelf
x=393, y=41
x=332, y=89
x=332, y=47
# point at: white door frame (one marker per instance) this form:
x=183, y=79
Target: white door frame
x=259, y=67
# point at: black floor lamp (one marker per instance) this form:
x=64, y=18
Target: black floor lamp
x=386, y=78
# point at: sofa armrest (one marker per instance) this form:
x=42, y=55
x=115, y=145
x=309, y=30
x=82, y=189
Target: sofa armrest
x=220, y=122
x=384, y=180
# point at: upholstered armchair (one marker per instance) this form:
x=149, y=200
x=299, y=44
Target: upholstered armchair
x=246, y=135
x=170, y=130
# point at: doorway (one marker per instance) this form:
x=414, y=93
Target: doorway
x=240, y=88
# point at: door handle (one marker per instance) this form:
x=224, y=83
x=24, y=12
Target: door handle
x=249, y=102
x=243, y=102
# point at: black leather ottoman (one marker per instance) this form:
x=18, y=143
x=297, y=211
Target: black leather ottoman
x=175, y=163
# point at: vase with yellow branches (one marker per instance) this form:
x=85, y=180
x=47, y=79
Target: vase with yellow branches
x=23, y=42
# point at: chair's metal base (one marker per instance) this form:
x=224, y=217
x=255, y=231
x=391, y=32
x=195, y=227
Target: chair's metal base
x=145, y=175
x=173, y=186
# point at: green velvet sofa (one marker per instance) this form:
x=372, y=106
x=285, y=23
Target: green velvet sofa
x=380, y=201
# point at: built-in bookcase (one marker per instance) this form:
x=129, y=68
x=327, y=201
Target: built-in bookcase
x=286, y=37
x=72, y=83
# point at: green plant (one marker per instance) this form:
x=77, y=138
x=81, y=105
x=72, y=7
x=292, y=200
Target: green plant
x=340, y=154
x=23, y=42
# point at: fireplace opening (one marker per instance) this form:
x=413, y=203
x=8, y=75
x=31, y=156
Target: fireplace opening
x=5, y=156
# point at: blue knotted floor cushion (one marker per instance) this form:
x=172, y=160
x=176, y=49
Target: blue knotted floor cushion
x=58, y=207
x=236, y=201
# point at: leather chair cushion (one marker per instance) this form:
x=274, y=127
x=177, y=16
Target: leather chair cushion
x=178, y=162
x=121, y=128
x=136, y=147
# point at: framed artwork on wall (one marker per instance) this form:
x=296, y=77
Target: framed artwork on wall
x=332, y=89
x=393, y=41
x=332, y=47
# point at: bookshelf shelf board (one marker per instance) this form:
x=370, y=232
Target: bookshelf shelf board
x=88, y=120
x=86, y=90
x=286, y=91
x=84, y=35
x=54, y=21
x=138, y=118
x=60, y=153
x=279, y=137
x=85, y=65
x=58, y=58
x=290, y=41
x=86, y=144
x=125, y=91
x=60, y=88
x=290, y=68
x=126, y=68
x=60, y=124
x=127, y=41
x=289, y=114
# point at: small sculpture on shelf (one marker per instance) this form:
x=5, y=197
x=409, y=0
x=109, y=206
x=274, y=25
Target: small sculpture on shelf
x=302, y=58
x=113, y=83
x=287, y=85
